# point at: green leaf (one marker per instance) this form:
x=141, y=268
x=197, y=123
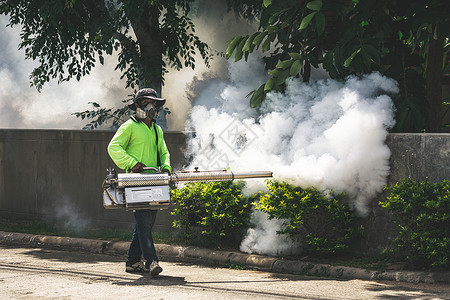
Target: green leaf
x=328, y=64
x=239, y=52
x=272, y=29
x=249, y=42
x=366, y=59
x=372, y=52
x=232, y=46
x=284, y=64
x=267, y=2
x=314, y=5
x=306, y=20
x=269, y=84
x=320, y=23
x=295, y=68
x=273, y=18
x=275, y=72
x=338, y=55
x=348, y=61
x=283, y=76
x=328, y=60
x=358, y=64
x=296, y=56
x=258, y=39
x=283, y=37
x=257, y=97
x=266, y=45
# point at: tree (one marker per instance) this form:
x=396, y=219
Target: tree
x=405, y=40
x=69, y=37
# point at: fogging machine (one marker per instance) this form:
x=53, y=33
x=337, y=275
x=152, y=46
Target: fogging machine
x=134, y=191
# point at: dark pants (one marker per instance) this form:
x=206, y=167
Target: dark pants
x=142, y=242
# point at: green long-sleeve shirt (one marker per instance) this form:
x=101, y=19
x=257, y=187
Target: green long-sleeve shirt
x=135, y=142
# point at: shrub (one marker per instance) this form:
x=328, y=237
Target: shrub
x=422, y=214
x=218, y=209
x=323, y=223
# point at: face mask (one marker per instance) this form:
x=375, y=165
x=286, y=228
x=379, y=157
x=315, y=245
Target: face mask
x=149, y=111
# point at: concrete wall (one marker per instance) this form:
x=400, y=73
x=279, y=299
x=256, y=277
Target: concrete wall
x=417, y=157
x=56, y=175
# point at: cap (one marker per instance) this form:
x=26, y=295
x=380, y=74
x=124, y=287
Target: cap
x=146, y=93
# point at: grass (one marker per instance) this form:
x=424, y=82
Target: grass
x=43, y=228
x=229, y=265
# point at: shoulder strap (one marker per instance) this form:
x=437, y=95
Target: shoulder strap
x=158, y=159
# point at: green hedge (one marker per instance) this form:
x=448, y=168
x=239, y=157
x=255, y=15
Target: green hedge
x=217, y=214
x=221, y=213
x=212, y=213
x=323, y=223
x=422, y=213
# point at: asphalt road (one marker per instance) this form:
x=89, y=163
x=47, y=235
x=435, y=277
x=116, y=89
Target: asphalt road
x=35, y=273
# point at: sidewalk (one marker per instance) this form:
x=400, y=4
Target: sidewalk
x=221, y=258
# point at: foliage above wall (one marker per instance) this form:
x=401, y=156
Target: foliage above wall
x=405, y=40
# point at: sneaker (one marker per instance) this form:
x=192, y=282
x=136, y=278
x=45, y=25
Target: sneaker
x=137, y=267
x=154, y=269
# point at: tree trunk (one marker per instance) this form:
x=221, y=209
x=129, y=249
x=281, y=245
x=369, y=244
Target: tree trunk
x=434, y=83
x=146, y=29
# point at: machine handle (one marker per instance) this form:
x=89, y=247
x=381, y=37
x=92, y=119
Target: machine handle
x=157, y=170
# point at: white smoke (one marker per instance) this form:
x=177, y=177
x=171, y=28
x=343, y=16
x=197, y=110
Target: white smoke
x=22, y=106
x=215, y=25
x=66, y=212
x=327, y=134
x=263, y=238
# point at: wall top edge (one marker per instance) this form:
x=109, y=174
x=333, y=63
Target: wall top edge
x=172, y=132
x=53, y=130
x=419, y=134
x=78, y=130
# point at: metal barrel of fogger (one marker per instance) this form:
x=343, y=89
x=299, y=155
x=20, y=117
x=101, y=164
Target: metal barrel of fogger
x=138, y=179
x=205, y=176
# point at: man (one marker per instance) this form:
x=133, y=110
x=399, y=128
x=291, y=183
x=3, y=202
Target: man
x=139, y=143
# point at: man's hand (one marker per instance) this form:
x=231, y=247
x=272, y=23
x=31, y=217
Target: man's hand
x=138, y=168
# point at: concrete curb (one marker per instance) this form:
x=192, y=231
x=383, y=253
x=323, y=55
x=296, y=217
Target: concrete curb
x=212, y=257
